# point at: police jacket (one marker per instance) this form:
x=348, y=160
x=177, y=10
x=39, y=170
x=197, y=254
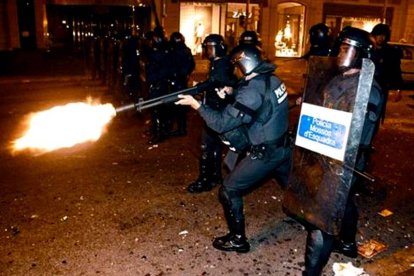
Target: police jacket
x=183, y=64
x=159, y=64
x=387, y=61
x=269, y=119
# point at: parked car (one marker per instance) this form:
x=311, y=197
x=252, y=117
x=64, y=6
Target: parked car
x=407, y=63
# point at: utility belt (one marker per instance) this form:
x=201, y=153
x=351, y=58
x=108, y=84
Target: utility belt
x=259, y=151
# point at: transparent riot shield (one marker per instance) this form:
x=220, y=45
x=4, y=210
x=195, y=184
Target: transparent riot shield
x=326, y=145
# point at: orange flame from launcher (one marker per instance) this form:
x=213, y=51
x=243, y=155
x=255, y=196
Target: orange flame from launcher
x=65, y=126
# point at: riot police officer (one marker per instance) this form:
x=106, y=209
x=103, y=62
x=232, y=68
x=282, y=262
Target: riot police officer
x=130, y=57
x=387, y=61
x=184, y=65
x=158, y=72
x=220, y=75
x=331, y=214
x=259, y=118
x=320, y=40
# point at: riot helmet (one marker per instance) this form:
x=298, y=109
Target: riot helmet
x=214, y=47
x=176, y=38
x=249, y=37
x=246, y=58
x=158, y=35
x=354, y=45
x=320, y=40
x=319, y=35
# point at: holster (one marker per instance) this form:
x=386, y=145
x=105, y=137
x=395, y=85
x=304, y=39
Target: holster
x=259, y=151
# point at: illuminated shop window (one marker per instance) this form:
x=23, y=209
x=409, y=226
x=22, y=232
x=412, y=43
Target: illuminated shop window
x=337, y=23
x=289, y=31
x=197, y=20
x=238, y=20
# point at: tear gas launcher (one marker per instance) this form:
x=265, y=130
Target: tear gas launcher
x=67, y=125
x=165, y=99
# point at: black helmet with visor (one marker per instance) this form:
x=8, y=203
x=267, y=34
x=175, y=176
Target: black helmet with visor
x=214, y=47
x=246, y=58
x=354, y=45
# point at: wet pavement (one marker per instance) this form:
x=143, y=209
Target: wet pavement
x=119, y=206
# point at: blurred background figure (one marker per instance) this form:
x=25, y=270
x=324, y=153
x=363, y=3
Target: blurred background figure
x=220, y=75
x=130, y=67
x=183, y=65
x=320, y=40
x=387, y=61
x=250, y=38
x=158, y=69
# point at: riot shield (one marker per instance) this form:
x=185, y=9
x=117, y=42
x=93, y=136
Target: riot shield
x=326, y=145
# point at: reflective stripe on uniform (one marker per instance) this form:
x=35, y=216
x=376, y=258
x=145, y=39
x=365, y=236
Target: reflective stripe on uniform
x=281, y=93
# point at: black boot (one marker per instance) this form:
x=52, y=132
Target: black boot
x=348, y=249
x=345, y=244
x=203, y=182
x=235, y=240
x=157, y=129
x=231, y=242
x=199, y=186
x=156, y=135
x=317, y=253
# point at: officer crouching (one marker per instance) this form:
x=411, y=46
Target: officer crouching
x=255, y=128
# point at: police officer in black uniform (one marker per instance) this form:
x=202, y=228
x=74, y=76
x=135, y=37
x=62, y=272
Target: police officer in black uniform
x=220, y=75
x=158, y=73
x=339, y=94
x=184, y=65
x=346, y=241
x=387, y=59
x=130, y=56
x=260, y=115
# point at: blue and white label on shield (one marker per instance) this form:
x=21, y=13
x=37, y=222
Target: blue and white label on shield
x=322, y=131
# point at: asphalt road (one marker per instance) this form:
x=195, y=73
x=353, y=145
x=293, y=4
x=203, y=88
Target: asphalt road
x=119, y=206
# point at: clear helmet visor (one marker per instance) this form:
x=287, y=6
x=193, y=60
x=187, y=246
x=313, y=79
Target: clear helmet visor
x=347, y=55
x=209, y=50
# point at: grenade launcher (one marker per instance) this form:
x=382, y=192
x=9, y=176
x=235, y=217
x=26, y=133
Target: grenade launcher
x=169, y=98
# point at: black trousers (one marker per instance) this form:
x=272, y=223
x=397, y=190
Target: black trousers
x=249, y=172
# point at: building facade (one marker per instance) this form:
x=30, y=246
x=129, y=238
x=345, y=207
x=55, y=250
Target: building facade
x=283, y=25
